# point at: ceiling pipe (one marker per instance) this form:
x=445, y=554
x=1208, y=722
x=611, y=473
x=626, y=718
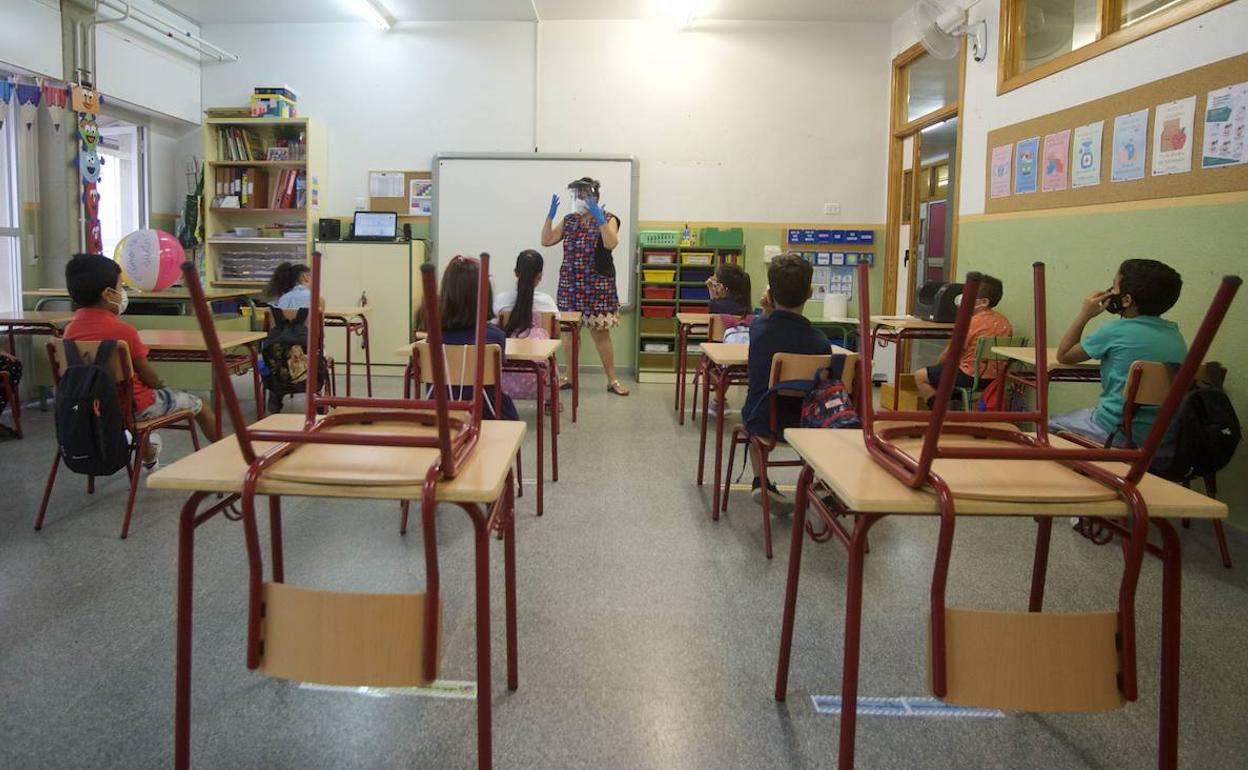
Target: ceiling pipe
x=185, y=37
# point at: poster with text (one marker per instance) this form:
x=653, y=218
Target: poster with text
x=1026, y=164
x=1002, y=159
x=1086, y=168
x=1173, y=134
x=1130, y=135
x=1226, y=123
x=1056, y=159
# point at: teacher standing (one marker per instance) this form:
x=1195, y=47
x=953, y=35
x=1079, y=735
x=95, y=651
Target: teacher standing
x=587, y=274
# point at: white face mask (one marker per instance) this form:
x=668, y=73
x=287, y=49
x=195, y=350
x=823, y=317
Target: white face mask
x=579, y=206
x=124, y=303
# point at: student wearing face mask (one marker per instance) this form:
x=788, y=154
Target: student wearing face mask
x=587, y=274
x=1143, y=289
x=94, y=284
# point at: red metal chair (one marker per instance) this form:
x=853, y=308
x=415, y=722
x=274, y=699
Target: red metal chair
x=15, y=403
x=715, y=333
x=122, y=370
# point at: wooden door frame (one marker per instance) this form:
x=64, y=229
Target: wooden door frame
x=899, y=131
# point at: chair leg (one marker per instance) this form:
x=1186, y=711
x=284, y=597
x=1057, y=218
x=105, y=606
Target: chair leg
x=136, y=469
x=47, y=490
x=91, y=481
x=732, y=453
x=763, y=485
x=519, y=477
x=404, y=506
x=190, y=421
x=1211, y=489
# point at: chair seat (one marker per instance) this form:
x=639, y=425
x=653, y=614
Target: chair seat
x=1031, y=661
x=357, y=464
x=340, y=638
x=164, y=419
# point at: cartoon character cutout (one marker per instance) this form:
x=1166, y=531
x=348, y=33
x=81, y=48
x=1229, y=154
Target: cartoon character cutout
x=91, y=200
x=88, y=131
x=89, y=165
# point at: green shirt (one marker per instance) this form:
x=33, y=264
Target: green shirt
x=1120, y=343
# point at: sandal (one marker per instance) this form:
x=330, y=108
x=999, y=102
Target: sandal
x=617, y=387
x=565, y=383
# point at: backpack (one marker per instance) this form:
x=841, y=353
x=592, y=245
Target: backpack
x=1207, y=432
x=90, y=431
x=825, y=403
x=737, y=329
x=285, y=356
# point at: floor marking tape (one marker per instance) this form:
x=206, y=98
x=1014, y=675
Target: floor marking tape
x=437, y=689
x=904, y=707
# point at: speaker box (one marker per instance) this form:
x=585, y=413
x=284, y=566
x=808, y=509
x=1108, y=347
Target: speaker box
x=330, y=230
x=407, y=231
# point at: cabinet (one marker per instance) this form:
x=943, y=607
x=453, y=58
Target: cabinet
x=383, y=276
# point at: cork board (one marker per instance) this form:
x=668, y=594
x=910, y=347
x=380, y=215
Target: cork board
x=400, y=205
x=1199, y=181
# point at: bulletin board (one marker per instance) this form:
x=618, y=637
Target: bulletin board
x=399, y=205
x=1198, y=181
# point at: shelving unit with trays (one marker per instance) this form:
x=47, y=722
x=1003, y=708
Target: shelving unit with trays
x=274, y=201
x=673, y=280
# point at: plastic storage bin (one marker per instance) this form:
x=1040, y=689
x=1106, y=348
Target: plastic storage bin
x=695, y=293
x=657, y=311
x=696, y=274
x=658, y=292
x=732, y=237
x=658, y=237
x=659, y=258
x=697, y=258
x=656, y=326
x=658, y=276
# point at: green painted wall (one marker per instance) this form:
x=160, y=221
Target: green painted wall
x=1082, y=252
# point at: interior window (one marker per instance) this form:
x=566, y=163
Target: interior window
x=121, y=181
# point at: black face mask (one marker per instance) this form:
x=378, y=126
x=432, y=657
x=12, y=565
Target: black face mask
x=1113, y=304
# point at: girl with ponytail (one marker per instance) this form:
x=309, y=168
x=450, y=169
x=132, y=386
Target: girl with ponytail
x=524, y=306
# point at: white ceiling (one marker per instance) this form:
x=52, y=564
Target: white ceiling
x=272, y=11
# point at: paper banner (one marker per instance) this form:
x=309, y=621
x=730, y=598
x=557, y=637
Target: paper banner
x=1174, y=132
x=1002, y=159
x=1226, y=127
x=55, y=98
x=1056, y=159
x=1086, y=167
x=28, y=97
x=6, y=93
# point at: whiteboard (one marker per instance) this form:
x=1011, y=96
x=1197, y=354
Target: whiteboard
x=497, y=202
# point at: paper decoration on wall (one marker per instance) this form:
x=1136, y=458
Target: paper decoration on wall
x=89, y=165
x=95, y=238
x=91, y=200
x=1173, y=134
x=420, y=197
x=1002, y=160
x=6, y=93
x=28, y=97
x=1026, y=165
x=1085, y=170
x=1226, y=123
x=1127, y=162
x=88, y=131
x=55, y=98
x=1056, y=159
x=85, y=99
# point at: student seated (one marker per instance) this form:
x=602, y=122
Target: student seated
x=524, y=305
x=730, y=291
x=781, y=329
x=985, y=322
x=14, y=367
x=284, y=352
x=457, y=305
x=94, y=284
x=290, y=289
x=1143, y=289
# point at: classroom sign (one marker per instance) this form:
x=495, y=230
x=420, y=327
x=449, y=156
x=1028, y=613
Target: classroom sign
x=1127, y=163
x=1086, y=169
x=1226, y=123
x=1026, y=166
x=1002, y=159
x=1056, y=158
x=1173, y=134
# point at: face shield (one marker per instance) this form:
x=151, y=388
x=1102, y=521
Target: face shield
x=579, y=192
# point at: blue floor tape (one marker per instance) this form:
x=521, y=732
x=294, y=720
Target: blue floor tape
x=904, y=707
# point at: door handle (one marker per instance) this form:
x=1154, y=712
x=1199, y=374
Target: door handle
x=905, y=259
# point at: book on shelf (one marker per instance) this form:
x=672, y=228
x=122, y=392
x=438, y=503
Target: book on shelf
x=247, y=186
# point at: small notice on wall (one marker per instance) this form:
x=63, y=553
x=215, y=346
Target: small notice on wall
x=420, y=197
x=1226, y=127
x=1026, y=163
x=1056, y=158
x=1130, y=132
x=1086, y=170
x=1173, y=134
x=385, y=184
x=1002, y=159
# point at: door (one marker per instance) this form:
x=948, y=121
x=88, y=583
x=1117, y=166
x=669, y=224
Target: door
x=937, y=187
x=902, y=243
x=10, y=230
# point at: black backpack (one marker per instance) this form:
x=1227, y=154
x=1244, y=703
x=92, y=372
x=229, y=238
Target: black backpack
x=285, y=355
x=90, y=431
x=1207, y=431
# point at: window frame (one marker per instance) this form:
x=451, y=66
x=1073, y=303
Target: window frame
x=1109, y=36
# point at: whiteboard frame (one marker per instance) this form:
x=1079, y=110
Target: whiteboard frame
x=634, y=175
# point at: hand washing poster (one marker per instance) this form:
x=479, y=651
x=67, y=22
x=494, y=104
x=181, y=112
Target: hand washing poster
x=1173, y=134
x=1026, y=164
x=1226, y=123
x=1002, y=159
x=1056, y=158
x=1130, y=135
x=1085, y=170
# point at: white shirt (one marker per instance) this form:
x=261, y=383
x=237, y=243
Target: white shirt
x=542, y=302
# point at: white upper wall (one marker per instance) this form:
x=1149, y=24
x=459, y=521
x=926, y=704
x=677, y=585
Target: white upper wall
x=389, y=100
x=138, y=66
x=734, y=121
x=30, y=36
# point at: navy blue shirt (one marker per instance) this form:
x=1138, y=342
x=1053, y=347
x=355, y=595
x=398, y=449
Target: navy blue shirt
x=493, y=336
x=780, y=332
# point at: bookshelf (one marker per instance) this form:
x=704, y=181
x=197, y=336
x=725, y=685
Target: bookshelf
x=672, y=280
x=260, y=210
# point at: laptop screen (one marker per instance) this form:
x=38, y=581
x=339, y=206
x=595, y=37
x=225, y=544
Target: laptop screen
x=376, y=224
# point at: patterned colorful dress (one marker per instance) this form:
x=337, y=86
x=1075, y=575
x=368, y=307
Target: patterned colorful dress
x=580, y=286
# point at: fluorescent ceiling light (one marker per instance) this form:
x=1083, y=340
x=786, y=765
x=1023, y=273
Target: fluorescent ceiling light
x=374, y=12
x=684, y=12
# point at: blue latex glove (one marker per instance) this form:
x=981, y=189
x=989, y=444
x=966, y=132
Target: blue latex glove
x=554, y=206
x=592, y=205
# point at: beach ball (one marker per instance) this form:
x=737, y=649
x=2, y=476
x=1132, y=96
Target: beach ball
x=150, y=260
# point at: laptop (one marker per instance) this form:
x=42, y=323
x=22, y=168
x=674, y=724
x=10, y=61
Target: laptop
x=374, y=226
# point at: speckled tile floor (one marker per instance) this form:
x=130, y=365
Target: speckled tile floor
x=648, y=633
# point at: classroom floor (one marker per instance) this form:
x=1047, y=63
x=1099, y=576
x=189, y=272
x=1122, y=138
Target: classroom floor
x=648, y=633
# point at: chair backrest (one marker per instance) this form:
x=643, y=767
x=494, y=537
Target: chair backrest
x=796, y=366
x=460, y=364
x=984, y=346
x=718, y=329
x=545, y=319
x=120, y=366
x=1148, y=382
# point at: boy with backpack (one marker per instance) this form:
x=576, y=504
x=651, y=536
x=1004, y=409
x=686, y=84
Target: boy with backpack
x=95, y=288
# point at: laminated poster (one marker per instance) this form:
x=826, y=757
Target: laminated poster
x=1002, y=159
x=1226, y=123
x=1026, y=164
x=1173, y=134
x=1056, y=158
x=1130, y=135
x=1086, y=169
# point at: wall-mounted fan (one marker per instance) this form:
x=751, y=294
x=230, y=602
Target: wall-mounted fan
x=940, y=25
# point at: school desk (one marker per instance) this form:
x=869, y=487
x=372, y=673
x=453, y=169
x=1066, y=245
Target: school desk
x=530, y=356
x=570, y=321
x=727, y=366
x=353, y=320
x=898, y=330
x=33, y=323
x=1088, y=371
x=859, y=492
x=187, y=346
x=179, y=297
x=359, y=472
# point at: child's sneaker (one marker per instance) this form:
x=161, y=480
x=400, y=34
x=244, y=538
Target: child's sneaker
x=756, y=492
x=154, y=441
